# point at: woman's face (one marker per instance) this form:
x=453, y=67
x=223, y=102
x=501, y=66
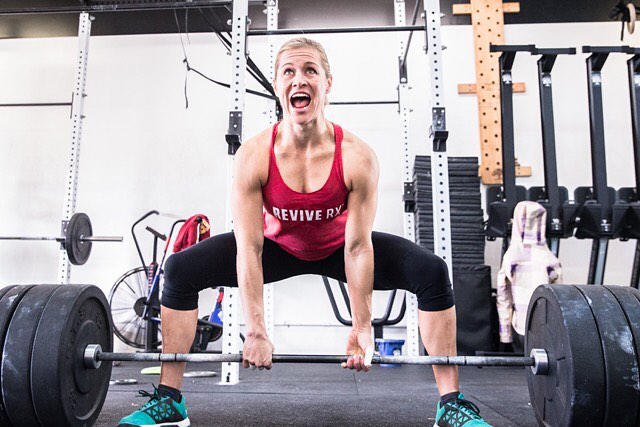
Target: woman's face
x=302, y=85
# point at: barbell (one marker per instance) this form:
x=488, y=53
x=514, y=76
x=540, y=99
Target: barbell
x=538, y=360
x=583, y=343
x=77, y=238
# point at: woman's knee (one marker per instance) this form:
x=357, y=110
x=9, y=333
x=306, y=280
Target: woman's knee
x=177, y=293
x=435, y=292
x=172, y=268
x=438, y=271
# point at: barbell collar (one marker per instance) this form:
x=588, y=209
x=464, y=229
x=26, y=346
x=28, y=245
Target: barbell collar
x=91, y=353
x=538, y=359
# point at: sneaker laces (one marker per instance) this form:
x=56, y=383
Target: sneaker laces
x=467, y=407
x=153, y=397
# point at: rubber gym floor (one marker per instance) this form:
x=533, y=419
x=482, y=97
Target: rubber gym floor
x=327, y=395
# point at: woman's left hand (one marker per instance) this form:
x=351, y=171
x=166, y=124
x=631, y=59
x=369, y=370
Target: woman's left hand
x=360, y=350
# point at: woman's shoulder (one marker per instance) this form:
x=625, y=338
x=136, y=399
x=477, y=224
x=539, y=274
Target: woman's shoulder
x=360, y=163
x=261, y=140
x=353, y=146
x=253, y=155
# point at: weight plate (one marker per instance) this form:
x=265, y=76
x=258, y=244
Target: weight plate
x=65, y=393
x=77, y=250
x=16, y=355
x=621, y=365
x=11, y=296
x=560, y=321
x=126, y=381
x=216, y=331
x=631, y=307
x=6, y=289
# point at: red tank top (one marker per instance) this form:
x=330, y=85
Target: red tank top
x=309, y=226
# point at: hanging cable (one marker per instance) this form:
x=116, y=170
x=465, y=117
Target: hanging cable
x=190, y=68
x=253, y=69
x=184, y=52
x=625, y=12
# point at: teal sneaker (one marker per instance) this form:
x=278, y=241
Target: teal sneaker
x=158, y=411
x=459, y=413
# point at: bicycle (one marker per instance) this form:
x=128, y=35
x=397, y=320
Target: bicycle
x=135, y=302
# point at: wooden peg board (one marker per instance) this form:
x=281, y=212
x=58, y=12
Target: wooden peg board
x=487, y=17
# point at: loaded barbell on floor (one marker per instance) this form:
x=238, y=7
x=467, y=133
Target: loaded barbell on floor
x=76, y=240
x=538, y=361
x=583, y=343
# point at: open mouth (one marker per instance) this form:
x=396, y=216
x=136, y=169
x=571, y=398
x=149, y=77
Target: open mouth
x=300, y=100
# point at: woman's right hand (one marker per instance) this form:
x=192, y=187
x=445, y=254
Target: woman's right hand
x=258, y=351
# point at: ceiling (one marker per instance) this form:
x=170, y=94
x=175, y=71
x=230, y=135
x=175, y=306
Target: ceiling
x=292, y=14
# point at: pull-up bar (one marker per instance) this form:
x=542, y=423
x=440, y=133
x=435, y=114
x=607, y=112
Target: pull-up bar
x=301, y=31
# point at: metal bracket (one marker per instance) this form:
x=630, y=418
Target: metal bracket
x=438, y=131
x=439, y=120
x=234, y=133
x=409, y=196
x=402, y=65
x=64, y=224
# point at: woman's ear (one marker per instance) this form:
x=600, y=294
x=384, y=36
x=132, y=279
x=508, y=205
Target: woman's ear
x=275, y=88
x=329, y=84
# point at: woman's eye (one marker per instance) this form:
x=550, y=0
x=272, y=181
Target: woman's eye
x=312, y=71
x=288, y=71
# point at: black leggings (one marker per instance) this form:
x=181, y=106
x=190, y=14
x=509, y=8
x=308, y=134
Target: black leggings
x=398, y=264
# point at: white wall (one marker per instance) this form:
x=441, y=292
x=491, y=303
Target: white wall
x=142, y=150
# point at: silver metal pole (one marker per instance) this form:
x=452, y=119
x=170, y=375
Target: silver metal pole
x=101, y=238
x=236, y=358
x=413, y=335
x=303, y=31
x=77, y=116
x=231, y=304
x=62, y=239
x=439, y=158
x=272, y=24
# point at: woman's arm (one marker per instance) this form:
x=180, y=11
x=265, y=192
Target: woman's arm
x=248, y=229
x=362, y=167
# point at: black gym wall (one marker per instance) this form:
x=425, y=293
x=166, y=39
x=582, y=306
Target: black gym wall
x=293, y=14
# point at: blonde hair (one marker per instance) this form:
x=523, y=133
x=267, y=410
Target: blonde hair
x=301, y=43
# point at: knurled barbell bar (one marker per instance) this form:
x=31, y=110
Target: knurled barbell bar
x=77, y=239
x=538, y=361
x=583, y=343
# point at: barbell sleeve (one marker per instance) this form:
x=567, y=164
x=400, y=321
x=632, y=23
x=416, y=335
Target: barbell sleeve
x=101, y=238
x=62, y=239
x=57, y=239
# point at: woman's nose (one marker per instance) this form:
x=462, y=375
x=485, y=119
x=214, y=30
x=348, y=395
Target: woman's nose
x=299, y=81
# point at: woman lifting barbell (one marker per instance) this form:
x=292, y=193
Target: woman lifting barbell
x=304, y=201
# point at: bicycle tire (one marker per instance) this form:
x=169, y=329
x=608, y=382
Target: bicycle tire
x=125, y=298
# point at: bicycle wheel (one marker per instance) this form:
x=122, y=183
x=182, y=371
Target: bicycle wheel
x=126, y=300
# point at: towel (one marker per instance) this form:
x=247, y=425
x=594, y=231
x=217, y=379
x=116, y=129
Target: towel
x=194, y=229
